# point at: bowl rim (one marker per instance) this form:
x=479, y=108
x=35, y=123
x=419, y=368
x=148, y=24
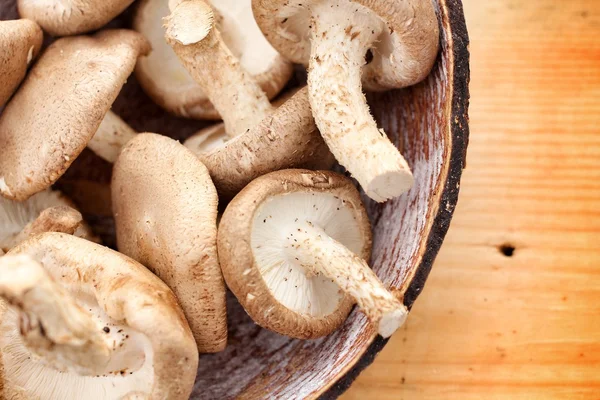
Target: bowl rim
x=454, y=20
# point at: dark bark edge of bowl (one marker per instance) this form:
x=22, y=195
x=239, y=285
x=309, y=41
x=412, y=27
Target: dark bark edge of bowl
x=460, y=139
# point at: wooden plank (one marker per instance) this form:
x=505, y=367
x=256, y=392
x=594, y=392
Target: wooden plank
x=488, y=326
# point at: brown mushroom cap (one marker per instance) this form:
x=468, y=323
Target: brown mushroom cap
x=165, y=79
x=403, y=54
x=287, y=139
x=166, y=218
x=47, y=211
x=281, y=297
x=20, y=42
x=71, y=17
x=41, y=136
x=151, y=350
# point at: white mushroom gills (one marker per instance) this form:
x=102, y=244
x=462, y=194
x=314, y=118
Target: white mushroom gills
x=232, y=90
x=305, y=245
x=19, y=220
x=58, y=344
x=53, y=326
x=111, y=136
x=62, y=219
x=342, y=32
x=318, y=253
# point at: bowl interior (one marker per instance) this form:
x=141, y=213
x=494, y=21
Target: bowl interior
x=258, y=363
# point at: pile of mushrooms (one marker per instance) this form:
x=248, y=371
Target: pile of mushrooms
x=293, y=242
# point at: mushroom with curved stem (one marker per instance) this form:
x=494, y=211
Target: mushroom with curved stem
x=165, y=208
x=20, y=42
x=86, y=322
x=285, y=138
x=47, y=211
x=293, y=246
x=71, y=17
x=165, y=79
x=333, y=37
x=238, y=98
x=40, y=136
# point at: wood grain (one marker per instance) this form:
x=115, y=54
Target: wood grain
x=526, y=326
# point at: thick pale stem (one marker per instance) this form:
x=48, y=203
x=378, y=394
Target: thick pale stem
x=111, y=136
x=318, y=253
x=341, y=37
x=52, y=325
x=55, y=219
x=231, y=89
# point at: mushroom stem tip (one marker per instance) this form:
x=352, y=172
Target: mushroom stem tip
x=391, y=321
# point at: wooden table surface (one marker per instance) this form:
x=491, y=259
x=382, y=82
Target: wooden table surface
x=527, y=325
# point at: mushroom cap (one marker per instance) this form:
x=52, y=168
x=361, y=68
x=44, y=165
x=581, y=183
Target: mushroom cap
x=14, y=216
x=274, y=290
x=215, y=136
x=164, y=77
x=40, y=136
x=165, y=208
x=402, y=56
x=20, y=41
x=122, y=295
x=71, y=17
x=286, y=139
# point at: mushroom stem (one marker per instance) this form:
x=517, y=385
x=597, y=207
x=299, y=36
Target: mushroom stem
x=54, y=219
x=318, y=253
x=110, y=137
x=52, y=325
x=339, y=46
x=191, y=31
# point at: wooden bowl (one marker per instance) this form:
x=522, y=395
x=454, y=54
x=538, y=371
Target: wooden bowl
x=429, y=123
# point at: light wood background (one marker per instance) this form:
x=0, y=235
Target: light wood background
x=489, y=326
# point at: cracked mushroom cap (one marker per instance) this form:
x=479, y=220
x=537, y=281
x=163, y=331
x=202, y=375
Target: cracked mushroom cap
x=402, y=54
x=270, y=283
x=286, y=139
x=86, y=322
x=20, y=43
x=166, y=80
x=71, y=17
x=60, y=106
x=165, y=208
x=47, y=211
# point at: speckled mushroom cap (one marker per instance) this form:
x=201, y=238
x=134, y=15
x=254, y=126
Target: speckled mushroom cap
x=274, y=290
x=99, y=326
x=165, y=209
x=401, y=56
x=165, y=79
x=286, y=139
x=71, y=17
x=15, y=217
x=20, y=43
x=60, y=106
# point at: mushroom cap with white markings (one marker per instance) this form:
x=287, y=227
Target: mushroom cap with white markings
x=275, y=290
x=148, y=348
x=402, y=55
